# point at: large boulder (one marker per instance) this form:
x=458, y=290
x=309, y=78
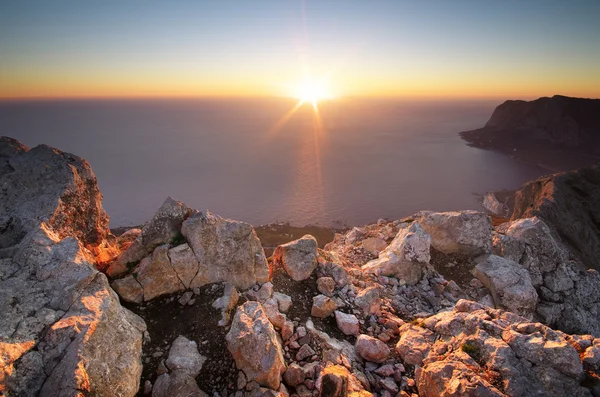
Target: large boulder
x=509, y=284
x=254, y=346
x=163, y=228
x=226, y=251
x=47, y=185
x=63, y=330
x=464, y=232
x=405, y=257
x=218, y=250
x=298, y=257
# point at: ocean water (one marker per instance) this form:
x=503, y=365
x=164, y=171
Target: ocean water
x=258, y=160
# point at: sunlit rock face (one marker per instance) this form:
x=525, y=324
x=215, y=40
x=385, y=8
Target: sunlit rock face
x=509, y=284
x=464, y=232
x=216, y=250
x=63, y=331
x=406, y=256
x=474, y=350
x=46, y=184
x=298, y=257
x=569, y=297
x=253, y=344
x=569, y=204
x=163, y=228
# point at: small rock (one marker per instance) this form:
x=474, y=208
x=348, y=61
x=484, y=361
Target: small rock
x=371, y=349
x=184, y=356
x=326, y=285
x=294, y=375
x=304, y=352
x=322, y=306
x=347, y=323
x=185, y=298
x=284, y=301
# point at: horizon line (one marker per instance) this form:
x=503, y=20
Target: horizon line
x=281, y=97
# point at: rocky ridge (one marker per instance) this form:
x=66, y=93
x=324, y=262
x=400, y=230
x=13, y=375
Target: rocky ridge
x=434, y=304
x=63, y=331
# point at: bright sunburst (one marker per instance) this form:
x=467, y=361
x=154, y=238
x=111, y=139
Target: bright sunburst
x=313, y=92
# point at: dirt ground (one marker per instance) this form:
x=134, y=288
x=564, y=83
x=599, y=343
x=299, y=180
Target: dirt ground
x=166, y=319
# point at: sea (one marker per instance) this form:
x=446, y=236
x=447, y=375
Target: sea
x=340, y=163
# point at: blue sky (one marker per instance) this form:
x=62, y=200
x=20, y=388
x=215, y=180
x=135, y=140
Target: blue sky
x=444, y=48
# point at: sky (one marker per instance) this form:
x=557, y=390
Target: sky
x=438, y=49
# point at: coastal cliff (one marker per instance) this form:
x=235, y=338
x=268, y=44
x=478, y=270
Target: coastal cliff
x=189, y=304
x=543, y=129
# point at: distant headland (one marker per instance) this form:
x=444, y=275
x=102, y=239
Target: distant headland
x=557, y=132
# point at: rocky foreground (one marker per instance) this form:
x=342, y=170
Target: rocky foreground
x=438, y=304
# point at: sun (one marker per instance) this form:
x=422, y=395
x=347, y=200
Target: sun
x=312, y=92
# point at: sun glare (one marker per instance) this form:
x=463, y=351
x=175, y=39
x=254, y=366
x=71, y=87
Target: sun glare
x=312, y=92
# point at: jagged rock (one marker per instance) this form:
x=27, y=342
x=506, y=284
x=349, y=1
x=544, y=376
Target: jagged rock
x=337, y=381
x=186, y=298
x=374, y=245
x=327, y=342
x=368, y=301
x=569, y=297
x=305, y=352
x=294, y=375
x=473, y=344
x=184, y=263
x=125, y=240
x=226, y=303
x=287, y=330
x=298, y=257
x=337, y=272
x=46, y=184
x=284, y=301
x=161, y=229
x=156, y=275
x=322, y=306
x=509, y=284
x=569, y=204
x=129, y=289
x=177, y=383
x=347, y=323
x=253, y=343
x=211, y=238
x=184, y=357
x=63, y=330
x=371, y=349
x=453, y=379
x=354, y=236
x=272, y=311
x=491, y=203
x=326, y=285
x=464, y=232
x=264, y=292
x=405, y=257
x=414, y=343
